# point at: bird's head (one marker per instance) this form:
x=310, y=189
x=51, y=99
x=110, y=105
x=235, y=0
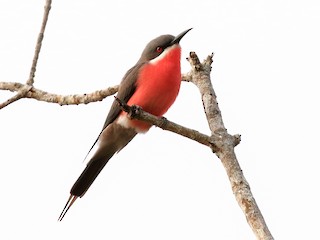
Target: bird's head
x=160, y=46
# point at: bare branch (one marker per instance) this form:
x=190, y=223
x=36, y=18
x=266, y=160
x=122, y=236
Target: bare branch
x=26, y=88
x=47, y=8
x=27, y=91
x=21, y=94
x=60, y=99
x=224, y=147
x=137, y=113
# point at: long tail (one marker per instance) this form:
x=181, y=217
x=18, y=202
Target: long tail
x=111, y=140
x=69, y=203
x=83, y=183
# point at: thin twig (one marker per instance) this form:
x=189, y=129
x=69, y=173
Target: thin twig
x=47, y=8
x=21, y=94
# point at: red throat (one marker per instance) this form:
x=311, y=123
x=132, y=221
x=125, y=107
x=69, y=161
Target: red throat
x=158, y=85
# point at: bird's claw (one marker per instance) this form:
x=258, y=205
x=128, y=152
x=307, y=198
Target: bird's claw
x=133, y=111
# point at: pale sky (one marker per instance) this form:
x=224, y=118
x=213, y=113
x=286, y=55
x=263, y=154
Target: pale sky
x=162, y=186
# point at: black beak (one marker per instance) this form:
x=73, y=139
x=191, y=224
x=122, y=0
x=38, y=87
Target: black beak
x=179, y=37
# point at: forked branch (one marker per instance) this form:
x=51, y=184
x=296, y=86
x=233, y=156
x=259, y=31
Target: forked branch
x=23, y=90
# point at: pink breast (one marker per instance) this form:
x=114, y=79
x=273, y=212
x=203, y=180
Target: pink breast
x=157, y=86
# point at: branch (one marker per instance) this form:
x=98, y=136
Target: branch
x=47, y=8
x=26, y=88
x=27, y=91
x=60, y=99
x=21, y=94
x=138, y=113
x=224, y=146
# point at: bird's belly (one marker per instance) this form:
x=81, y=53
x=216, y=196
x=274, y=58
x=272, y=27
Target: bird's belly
x=154, y=94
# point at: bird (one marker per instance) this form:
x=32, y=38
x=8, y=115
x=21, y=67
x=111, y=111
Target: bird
x=152, y=84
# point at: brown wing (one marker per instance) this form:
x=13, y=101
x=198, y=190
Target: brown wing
x=126, y=89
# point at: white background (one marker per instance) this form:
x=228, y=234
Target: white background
x=162, y=186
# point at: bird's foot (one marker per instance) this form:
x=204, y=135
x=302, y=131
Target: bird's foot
x=134, y=111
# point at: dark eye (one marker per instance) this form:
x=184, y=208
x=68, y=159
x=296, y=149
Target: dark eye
x=159, y=49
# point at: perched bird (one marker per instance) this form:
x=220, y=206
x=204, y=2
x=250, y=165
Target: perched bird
x=153, y=84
